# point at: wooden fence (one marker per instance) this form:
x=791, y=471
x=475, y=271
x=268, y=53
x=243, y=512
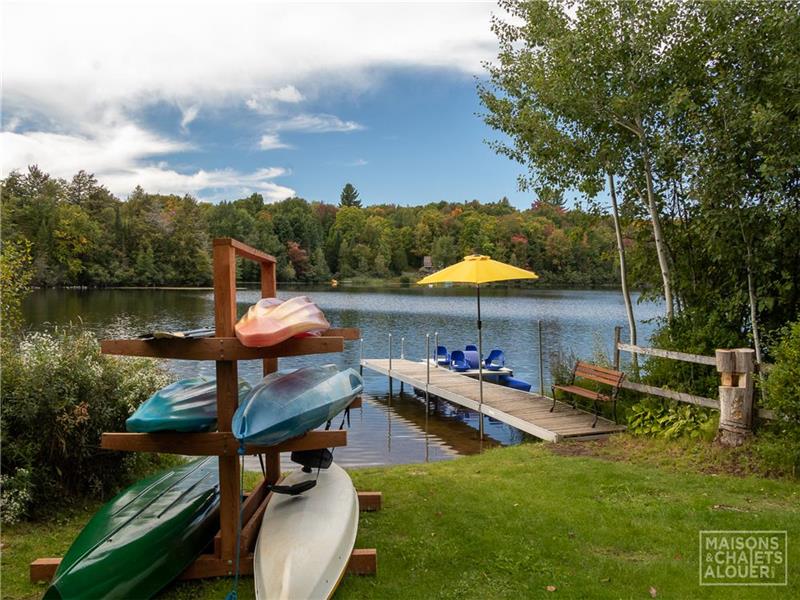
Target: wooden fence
x=736, y=368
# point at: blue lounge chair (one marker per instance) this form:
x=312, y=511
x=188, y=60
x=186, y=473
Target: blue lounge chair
x=471, y=347
x=442, y=356
x=495, y=361
x=458, y=362
x=473, y=358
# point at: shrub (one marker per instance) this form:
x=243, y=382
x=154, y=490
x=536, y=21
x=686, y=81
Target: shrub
x=783, y=380
x=15, y=278
x=781, y=440
x=15, y=496
x=670, y=420
x=562, y=363
x=59, y=394
x=696, y=334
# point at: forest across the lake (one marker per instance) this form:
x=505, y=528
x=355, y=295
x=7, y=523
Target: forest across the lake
x=81, y=234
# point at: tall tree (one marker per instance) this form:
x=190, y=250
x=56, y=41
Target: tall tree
x=349, y=196
x=596, y=72
x=623, y=270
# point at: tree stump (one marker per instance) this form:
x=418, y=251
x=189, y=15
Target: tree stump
x=735, y=395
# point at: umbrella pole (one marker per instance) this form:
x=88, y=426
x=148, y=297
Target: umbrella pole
x=480, y=365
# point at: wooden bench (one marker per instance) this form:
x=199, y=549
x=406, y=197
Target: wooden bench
x=590, y=372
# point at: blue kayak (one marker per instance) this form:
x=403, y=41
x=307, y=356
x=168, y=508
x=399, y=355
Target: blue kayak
x=188, y=405
x=283, y=407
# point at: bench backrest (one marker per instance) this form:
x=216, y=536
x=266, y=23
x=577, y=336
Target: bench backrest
x=599, y=374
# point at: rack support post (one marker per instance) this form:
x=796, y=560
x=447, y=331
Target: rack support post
x=227, y=396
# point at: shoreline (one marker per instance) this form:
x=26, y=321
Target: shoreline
x=247, y=285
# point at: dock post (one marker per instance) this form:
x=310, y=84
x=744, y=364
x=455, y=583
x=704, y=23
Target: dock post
x=427, y=362
x=541, y=360
x=436, y=349
x=390, y=366
x=428, y=367
x=617, y=335
x=427, y=385
x=402, y=355
x=361, y=356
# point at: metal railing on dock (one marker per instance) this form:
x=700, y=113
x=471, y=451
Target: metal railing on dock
x=525, y=411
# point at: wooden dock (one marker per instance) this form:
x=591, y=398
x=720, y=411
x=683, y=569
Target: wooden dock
x=525, y=411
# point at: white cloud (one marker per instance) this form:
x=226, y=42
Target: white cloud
x=265, y=102
x=68, y=66
x=210, y=185
x=12, y=124
x=188, y=115
x=101, y=149
x=287, y=93
x=119, y=154
x=80, y=56
x=316, y=123
x=271, y=141
x=359, y=162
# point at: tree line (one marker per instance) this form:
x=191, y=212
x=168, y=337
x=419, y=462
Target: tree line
x=81, y=234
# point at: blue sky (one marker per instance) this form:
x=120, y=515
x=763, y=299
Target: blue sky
x=416, y=138
x=222, y=100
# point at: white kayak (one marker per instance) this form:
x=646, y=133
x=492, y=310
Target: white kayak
x=305, y=541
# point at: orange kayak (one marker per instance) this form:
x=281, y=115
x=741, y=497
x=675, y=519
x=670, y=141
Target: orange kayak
x=271, y=321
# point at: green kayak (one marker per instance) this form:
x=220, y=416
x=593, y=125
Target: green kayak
x=144, y=537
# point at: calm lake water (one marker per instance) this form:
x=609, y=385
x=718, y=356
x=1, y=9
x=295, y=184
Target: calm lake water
x=386, y=430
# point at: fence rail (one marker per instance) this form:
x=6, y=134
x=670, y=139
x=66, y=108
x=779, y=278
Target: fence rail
x=762, y=413
x=682, y=356
x=671, y=394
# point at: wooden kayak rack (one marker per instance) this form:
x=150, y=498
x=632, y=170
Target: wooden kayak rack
x=226, y=350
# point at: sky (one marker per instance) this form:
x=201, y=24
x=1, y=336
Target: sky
x=221, y=100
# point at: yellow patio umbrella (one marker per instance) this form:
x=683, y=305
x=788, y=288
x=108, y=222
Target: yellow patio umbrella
x=477, y=269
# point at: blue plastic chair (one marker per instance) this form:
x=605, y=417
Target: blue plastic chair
x=458, y=361
x=471, y=347
x=442, y=356
x=473, y=358
x=495, y=361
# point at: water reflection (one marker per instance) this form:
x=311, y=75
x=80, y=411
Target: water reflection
x=386, y=430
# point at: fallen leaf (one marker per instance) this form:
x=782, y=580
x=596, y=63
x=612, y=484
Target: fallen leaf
x=571, y=534
x=605, y=580
x=551, y=588
x=653, y=592
x=678, y=556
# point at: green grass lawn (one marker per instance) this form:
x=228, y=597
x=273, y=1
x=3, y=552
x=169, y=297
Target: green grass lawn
x=513, y=521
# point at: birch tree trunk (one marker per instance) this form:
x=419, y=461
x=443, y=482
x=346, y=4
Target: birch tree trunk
x=623, y=272
x=751, y=289
x=658, y=235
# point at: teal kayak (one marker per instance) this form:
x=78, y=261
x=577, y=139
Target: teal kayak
x=144, y=537
x=188, y=405
x=280, y=408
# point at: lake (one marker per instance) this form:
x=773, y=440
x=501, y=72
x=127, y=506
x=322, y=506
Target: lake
x=386, y=430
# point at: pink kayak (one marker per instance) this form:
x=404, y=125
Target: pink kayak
x=271, y=321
